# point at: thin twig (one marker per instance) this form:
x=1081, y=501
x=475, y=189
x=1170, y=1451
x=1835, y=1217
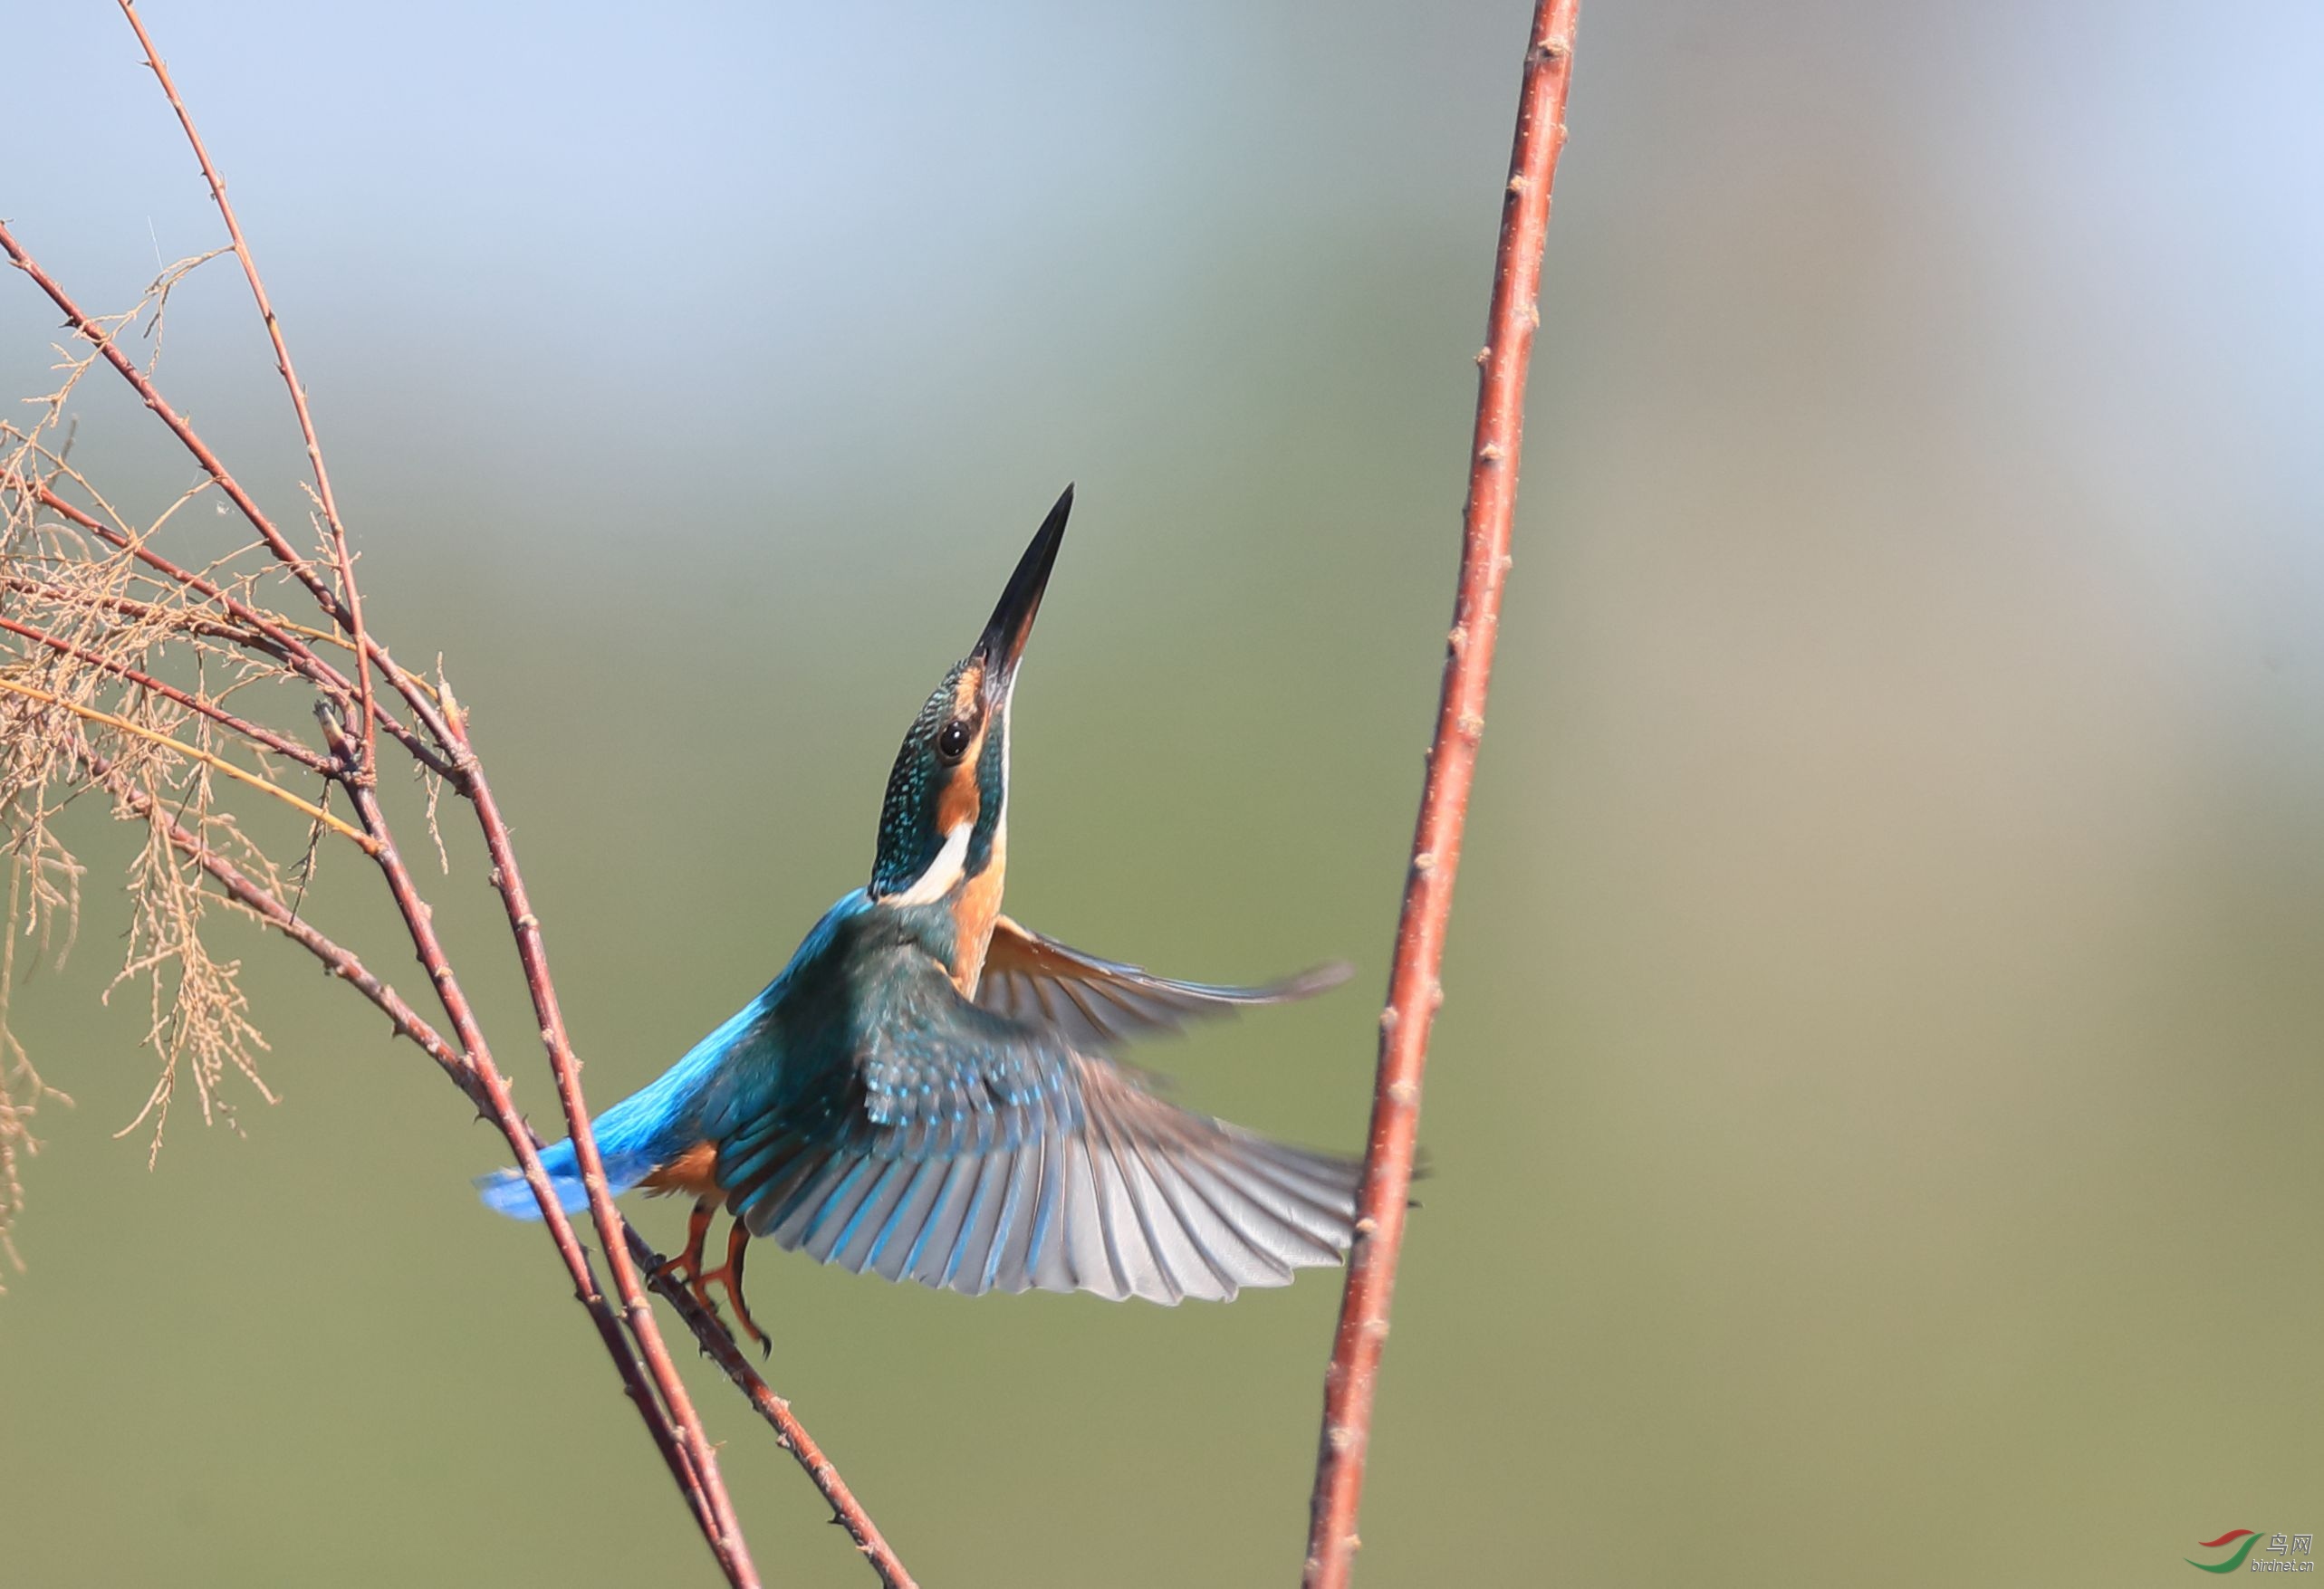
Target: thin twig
x=266, y=738
x=282, y=361
x=722, y=1530
x=464, y=1072
x=1413, y=989
x=102, y=339
x=280, y=637
x=789, y=1434
x=484, y=1086
x=91, y=714
x=443, y=747
x=532, y=955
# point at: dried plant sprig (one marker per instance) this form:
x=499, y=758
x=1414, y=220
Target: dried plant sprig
x=218, y=764
x=352, y=602
x=102, y=336
x=257, y=733
x=268, y=631
x=22, y=1090
x=85, y=634
x=1415, y=990
x=200, y=1021
x=160, y=757
x=482, y=1085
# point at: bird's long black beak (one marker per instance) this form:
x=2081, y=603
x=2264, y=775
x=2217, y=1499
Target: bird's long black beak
x=1003, y=640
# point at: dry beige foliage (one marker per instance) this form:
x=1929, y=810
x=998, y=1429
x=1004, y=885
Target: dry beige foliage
x=151, y=691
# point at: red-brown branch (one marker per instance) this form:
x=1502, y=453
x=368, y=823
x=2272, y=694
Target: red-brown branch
x=256, y=733
x=281, y=363
x=720, y=1527
x=483, y=1086
x=98, y=337
x=89, y=330
x=532, y=956
x=712, y=1336
x=846, y=1510
x=1413, y=989
x=684, y=1443
x=294, y=651
x=677, y=1429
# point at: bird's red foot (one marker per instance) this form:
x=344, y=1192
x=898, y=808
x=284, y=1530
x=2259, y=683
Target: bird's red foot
x=688, y=1264
x=730, y=1275
x=687, y=1269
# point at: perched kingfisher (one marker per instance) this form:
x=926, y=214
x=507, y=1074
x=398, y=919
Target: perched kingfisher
x=925, y=1092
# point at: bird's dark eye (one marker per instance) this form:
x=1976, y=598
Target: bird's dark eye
x=952, y=740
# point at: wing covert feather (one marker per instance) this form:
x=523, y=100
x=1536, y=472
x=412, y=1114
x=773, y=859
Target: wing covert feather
x=976, y=1152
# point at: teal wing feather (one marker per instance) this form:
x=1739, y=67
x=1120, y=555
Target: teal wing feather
x=964, y=1149
x=1104, y=1003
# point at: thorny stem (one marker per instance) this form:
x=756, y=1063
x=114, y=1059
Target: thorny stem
x=472, y=1073
x=267, y=631
x=789, y=1434
x=90, y=331
x=670, y=1415
x=91, y=714
x=281, y=363
x=464, y=1072
x=257, y=733
x=566, y=1068
x=1413, y=989
x=720, y=1526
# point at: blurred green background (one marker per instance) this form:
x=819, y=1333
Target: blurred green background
x=1875, y=1115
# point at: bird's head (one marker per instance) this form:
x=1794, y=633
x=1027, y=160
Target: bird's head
x=944, y=829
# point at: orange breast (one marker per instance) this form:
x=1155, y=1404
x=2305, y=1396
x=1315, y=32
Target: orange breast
x=980, y=904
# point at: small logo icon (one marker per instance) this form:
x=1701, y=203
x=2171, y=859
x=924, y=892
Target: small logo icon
x=2284, y=1553
x=2250, y=1539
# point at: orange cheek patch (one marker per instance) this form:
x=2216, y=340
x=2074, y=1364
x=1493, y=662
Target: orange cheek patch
x=958, y=801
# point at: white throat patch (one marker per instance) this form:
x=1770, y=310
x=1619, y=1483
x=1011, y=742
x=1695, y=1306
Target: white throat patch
x=943, y=872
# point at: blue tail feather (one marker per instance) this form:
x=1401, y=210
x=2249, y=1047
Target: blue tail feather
x=642, y=1131
x=504, y=1191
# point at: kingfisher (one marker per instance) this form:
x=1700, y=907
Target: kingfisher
x=929, y=1091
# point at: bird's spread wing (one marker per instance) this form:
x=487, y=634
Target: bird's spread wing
x=966, y=1150
x=1096, y=1003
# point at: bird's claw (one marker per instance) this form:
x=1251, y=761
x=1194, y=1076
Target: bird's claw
x=686, y=1270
